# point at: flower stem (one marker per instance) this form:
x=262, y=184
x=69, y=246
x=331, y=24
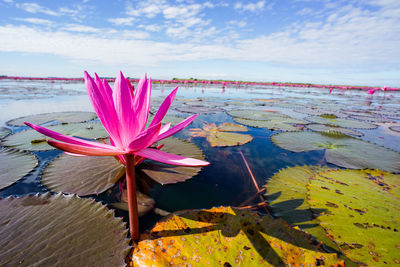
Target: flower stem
x=132, y=201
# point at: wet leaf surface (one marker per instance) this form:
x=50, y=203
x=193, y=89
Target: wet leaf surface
x=362, y=213
x=14, y=165
x=343, y=151
x=221, y=135
x=31, y=140
x=60, y=231
x=145, y=203
x=58, y=117
x=226, y=236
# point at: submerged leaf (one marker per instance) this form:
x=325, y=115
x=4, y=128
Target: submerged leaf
x=60, y=117
x=144, y=202
x=362, y=213
x=60, y=231
x=31, y=140
x=221, y=135
x=167, y=174
x=343, y=151
x=272, y=125
x=226, y=236
x=14, y=165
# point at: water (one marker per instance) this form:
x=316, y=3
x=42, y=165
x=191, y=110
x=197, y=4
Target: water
x=226, y=182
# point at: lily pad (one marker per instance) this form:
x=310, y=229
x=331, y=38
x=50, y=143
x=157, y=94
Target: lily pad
x=14, y=165
x=341, y=122
x=167, y=174
x=226, y=236
x=31, y=140
x=222, y=135
x=333, y=129
x=199, y=109
x=341, y=150
x=82, y=175
x=256, y=114
x=60, y=117
x=60, y=231
x=362, y=213
x=395, y=128
x=4, y=131
x=272, y=125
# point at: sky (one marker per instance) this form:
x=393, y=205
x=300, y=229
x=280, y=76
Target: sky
x=317, y=41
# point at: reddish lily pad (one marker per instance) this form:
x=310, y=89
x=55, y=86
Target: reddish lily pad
x=31, y=140
x=341, y=150
x=226, y=236
x=222, y=135
x=60, y=230
x=14, y=165
x=362, y=213
x=167, y=174
x=60, y=117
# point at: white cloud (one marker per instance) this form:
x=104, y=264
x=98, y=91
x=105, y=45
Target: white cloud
x=151, y=27
x=36, y=21
x=122, y=21
x=80, y=28
x=36, y=8
x=252, y=7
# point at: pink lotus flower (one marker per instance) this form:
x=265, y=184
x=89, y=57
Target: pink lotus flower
x=124, y=113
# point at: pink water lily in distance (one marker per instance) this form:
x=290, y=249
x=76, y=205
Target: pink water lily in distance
x=124, y=112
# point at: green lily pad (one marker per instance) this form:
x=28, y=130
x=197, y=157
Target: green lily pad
x=341, y=150
x=362, y=213
x=60, y=231
x=226, y=236
x=31, y=140
x=4, y=131
x=167, y=174
x=333, y=129
x=60, y=117
x=259, y=115
x=82, y=175
x=341, y=122
x=15, y=165
x=272, y=125
x=222, y=135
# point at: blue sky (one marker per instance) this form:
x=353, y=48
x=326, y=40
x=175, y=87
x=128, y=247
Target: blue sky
x=330, y=42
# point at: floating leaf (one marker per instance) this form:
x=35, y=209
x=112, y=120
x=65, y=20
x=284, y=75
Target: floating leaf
x=167, y=174
x=343, y=151
x=14, y=165
x=272, y=125
x=362, y=213
x=221, y=135
x=144, y=202
x=395, y=128
x=60, y=117
x=256, y=114
x=226, y=237
x=31, y=140
x=60, y=231
x=81, y=175
x=199, y=109
x=341, y=122
x=333, y=129
x=4, y=132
